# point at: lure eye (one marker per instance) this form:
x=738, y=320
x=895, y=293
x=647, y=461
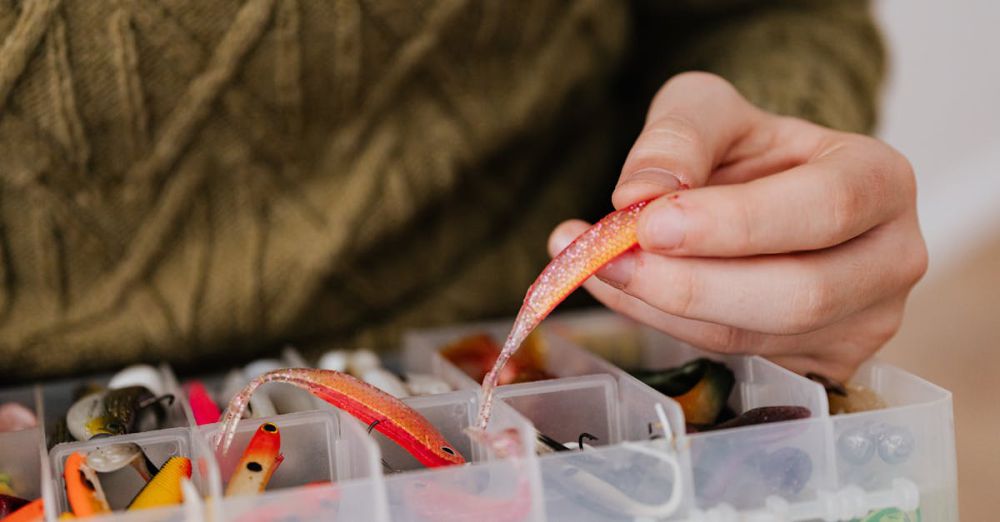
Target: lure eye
x=270, y=427
x=255, y=467
x=115, y=427
x=448, y=450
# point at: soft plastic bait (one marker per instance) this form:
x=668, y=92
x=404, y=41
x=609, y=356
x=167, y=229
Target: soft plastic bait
x=370, y=405
x=597, y=246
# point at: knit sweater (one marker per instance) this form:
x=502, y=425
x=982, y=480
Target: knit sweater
x=203, y=181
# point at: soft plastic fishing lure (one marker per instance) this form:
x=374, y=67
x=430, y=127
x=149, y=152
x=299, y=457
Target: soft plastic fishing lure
x=202, y=406
x=165, y=488
x=258, y=463
x=597, y=246
x=83, y=489
x=370, y=405
x=31, y=512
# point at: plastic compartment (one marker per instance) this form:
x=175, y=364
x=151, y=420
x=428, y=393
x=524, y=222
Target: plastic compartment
x=634, y=471
x=498, y=489
x=20, y=451
x=120, y=487
x=323, y=453
x=630, y=468
x=912, y=443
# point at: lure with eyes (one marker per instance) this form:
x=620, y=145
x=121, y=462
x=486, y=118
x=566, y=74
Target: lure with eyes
x=259, y=462
x=372, y=406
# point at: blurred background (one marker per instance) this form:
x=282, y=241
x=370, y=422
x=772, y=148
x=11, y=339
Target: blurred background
x=942, y=109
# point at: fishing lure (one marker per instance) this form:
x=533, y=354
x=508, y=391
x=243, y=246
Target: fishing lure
x=115, y=412
x=108, y=459
x=372, y=406
x=30, y=512
x=165, y=488
x=15, y=417
x=10, y=504
x=701, y=387
x=259, y=462
x=83, y=490
x=202, y=406
x=597, y=246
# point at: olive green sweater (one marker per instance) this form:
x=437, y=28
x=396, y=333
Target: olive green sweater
x=202, y=181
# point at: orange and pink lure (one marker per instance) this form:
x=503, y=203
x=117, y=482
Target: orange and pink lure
x=370, y=405
x=597, y=246
x=259, y=461
x=83, y=489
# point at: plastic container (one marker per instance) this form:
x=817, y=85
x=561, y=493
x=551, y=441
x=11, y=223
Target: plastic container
x=638, y=463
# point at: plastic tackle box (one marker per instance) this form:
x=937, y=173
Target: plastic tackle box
x=636, y=462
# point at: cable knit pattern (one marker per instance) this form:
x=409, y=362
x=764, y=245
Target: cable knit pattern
x=200, y=181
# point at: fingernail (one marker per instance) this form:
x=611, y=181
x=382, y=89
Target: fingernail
x=663, y=227
x=618, y=272
x=660, y=179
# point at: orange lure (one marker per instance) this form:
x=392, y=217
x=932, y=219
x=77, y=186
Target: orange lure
x=259, y=462
x=86, y=498
x=30, y=512
x=597, y=246
x=370, y=405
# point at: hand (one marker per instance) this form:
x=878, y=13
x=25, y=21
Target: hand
x=795, y=242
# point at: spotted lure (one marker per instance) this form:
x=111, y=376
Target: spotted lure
x=597, y=246
x=370, y=405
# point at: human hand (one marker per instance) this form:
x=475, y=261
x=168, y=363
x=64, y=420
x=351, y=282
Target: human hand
x=795, y=242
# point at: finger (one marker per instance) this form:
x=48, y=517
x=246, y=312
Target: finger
x=835, y=351
x=838, y=350
x=842, y=194
x=779, y=294
x=692, y=121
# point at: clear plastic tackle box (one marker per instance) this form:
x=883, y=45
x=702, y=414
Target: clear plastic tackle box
x=634, y=460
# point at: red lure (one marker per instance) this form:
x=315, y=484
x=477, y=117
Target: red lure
x=370, y=405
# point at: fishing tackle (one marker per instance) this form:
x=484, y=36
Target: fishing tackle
x=607, y=239
x=701, y=387
x=83, y=489
x=16, y=417
x=397, y=421
x=165, y=487
x=108, y=459
x=763, y=415
x=139, y=375
x=545, y=444
x=425, y=384
x=10, y=504
x=259, y=461
x=203, y=408
x=33, y=511
x=115, y=412
x=476, y=354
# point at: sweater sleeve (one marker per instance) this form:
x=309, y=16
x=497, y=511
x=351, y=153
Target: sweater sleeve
x=815, y=59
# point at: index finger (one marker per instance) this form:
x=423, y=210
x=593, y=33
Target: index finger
x=693, y=120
